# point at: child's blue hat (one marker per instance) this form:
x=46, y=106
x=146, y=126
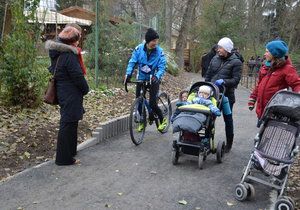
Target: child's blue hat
x=277, y=48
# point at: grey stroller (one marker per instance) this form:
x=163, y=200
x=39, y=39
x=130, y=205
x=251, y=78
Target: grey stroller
x=275, y=149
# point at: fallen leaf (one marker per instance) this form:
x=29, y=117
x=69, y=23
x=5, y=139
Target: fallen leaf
x=153, y=172
x=27, y=155
x=40, y=157
x=183, y=202
x=230, y=203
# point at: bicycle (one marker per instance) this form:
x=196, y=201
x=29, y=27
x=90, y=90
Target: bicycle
x=140, y=109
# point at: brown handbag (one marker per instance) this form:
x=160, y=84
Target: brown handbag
x=50, y=96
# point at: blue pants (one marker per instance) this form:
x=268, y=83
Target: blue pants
x=229, y=123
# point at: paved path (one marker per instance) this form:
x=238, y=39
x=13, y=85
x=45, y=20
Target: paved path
x=118, y=175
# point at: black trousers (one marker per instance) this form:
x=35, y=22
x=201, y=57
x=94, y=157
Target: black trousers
x=229, y=123
x=153, y=93
x=66, y=143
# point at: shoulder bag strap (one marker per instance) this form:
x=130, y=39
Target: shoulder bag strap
x=56, y=66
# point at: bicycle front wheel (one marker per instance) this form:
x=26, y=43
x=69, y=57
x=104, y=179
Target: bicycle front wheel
x=138, y=121
x=163, y=102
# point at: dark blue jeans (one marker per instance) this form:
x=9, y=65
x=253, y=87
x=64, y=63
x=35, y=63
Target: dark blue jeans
x=229, y=123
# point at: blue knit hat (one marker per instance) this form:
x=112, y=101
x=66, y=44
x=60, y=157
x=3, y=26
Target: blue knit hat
x=277, y=48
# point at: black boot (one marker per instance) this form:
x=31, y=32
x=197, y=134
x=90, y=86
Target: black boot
x=228, y=146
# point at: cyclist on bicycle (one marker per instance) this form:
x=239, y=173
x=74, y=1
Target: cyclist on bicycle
x=151, y=62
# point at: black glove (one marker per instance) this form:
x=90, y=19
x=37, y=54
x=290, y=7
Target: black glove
x=127, y=78
x=154, y=80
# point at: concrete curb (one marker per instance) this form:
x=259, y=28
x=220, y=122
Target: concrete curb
x=109, y=129
x=106, y=130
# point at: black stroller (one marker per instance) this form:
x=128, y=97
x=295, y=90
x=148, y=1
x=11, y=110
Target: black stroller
x=275, y=149
x=192, y=143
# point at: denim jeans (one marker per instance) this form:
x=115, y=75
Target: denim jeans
x=229, y=123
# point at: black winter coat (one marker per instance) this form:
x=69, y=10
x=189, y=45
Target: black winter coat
x=70, y=83
x=229, y=69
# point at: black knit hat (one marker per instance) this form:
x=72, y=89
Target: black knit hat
x=150, y=35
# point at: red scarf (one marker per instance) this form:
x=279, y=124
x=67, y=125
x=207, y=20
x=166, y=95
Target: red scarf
x=81, y=60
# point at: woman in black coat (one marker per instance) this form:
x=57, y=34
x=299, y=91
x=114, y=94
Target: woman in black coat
x=71, y=87
x=225, y=69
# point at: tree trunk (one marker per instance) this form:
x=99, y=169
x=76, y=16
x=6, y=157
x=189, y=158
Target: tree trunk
x=183, y=33
x=278, y=31
x=168, y=22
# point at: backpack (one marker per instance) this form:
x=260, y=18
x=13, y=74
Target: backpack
x=240, y=57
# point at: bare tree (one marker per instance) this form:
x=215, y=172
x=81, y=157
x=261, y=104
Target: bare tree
x=184, y=32
x=168, y=22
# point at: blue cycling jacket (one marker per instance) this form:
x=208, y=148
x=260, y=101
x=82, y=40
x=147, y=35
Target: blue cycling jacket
x=154, y=64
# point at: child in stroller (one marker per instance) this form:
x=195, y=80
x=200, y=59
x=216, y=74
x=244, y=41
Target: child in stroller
x=182, y=100
x=195, y=124
x=275, y=149
x=203, y=97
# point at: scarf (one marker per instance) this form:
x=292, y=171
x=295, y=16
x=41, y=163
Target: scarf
x=81, y=60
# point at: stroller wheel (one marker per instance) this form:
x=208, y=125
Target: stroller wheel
x=283, y=203
x=240, y=192
x=291, y=200
x=251, y=191
x=175, y=156
x=201, y=159
x=220, y=151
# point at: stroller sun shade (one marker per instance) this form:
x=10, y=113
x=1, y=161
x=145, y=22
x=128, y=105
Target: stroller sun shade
x=286, y=103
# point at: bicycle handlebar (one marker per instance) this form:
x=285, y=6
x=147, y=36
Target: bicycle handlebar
x=135, y=82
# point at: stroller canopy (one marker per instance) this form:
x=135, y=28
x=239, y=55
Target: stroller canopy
x=286, y=103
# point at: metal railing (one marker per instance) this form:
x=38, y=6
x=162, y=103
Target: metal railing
x=249, y=80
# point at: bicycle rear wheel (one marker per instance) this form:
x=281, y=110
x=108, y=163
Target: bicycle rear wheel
x=163, y=102
x=137, y=121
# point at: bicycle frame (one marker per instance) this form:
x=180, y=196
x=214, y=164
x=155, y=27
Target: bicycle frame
x=143, y=91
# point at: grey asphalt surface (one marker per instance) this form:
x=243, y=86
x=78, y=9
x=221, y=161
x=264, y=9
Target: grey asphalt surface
x=116, y=174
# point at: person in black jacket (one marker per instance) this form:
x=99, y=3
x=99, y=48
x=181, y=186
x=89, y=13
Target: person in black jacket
x=205, y=60
x=71, y=86
x=225, y=69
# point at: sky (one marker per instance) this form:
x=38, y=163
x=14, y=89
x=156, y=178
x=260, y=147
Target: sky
x=50, y=4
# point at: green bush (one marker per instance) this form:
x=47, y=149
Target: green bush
x=19, y=78
x=114, y=52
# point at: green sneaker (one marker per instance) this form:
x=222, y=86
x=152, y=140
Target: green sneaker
x=141, y=127
x=162, y=126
